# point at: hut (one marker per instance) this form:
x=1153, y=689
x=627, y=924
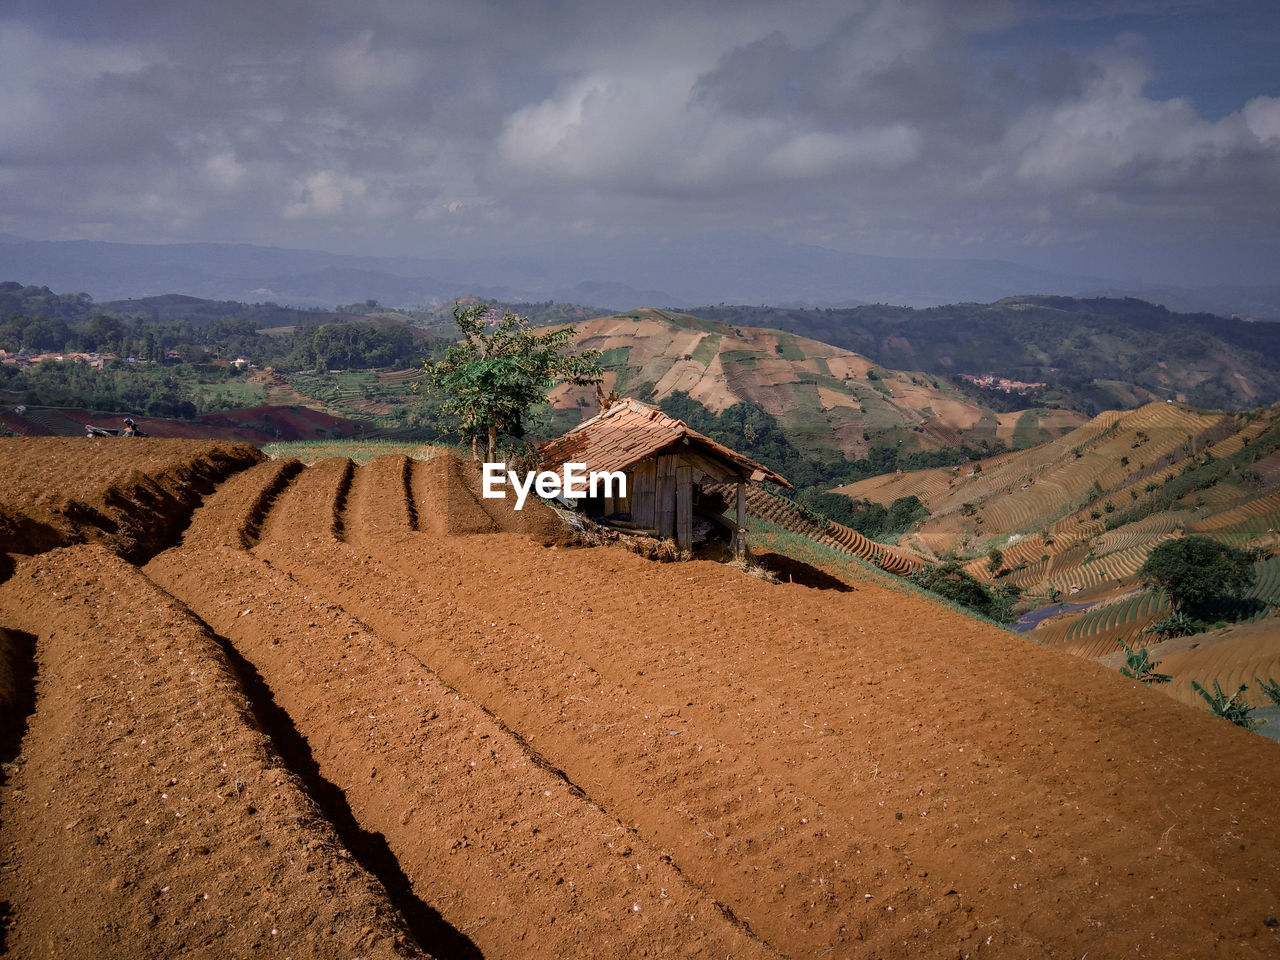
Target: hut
x=666, y=465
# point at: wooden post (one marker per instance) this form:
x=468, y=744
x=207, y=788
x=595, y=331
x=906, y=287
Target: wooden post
x=684, y=506
x=665, y=513
x=740, y=538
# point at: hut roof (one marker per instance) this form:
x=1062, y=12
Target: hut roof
x=629, y=431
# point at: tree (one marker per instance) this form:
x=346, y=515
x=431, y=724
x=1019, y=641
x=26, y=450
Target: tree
x=500, y=369
x=1197, y=571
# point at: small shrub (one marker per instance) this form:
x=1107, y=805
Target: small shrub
x=1270, y=689
x=1139, y=665
x=1228, y=708
x=1177, y=624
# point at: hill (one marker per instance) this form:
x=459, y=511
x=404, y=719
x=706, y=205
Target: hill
x=1092, y=354
x=361, y=711
x=1074, y=520
x=821, y=397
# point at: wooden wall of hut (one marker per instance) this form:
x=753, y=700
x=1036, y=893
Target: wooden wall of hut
x=642, y=486
x=665, y=516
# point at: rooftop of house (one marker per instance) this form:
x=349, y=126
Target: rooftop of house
x=629, y=431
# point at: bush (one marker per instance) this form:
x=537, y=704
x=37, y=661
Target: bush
x=1139, y=665
x=1229, y=708
x=1175, y=625
x=1270, y=689
x=952, y=582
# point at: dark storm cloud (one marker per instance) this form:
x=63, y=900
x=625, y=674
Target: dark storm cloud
x=973, y=128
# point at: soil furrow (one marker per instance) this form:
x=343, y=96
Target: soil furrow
x=730, y=824
x=410, y=505
x=369, y=849
x=496, y=842
x=17, y=691
x=146, y=815
x=951, y=800
x=278, y=474
x=548, y=751
x=338, y=522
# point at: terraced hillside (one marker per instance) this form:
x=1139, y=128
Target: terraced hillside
x=766, y=506
x=1075, y=519
x=358, y=711
x=822, y=395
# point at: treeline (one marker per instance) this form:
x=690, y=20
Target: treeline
x=1090, y=352
x=154, y=391
x=33, y=320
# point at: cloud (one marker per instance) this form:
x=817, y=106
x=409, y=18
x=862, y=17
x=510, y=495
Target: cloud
x=897, y=126
x=1262, y=117
x=324, y=194
x=1113, y=137
x=646, y=134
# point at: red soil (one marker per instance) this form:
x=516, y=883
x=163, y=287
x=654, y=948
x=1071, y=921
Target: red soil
x=261, y=424
x=576, y=752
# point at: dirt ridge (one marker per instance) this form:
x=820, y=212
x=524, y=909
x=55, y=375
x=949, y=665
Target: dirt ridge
x=160, y=846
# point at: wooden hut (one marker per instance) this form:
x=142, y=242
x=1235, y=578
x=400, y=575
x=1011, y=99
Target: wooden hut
x=665, y=464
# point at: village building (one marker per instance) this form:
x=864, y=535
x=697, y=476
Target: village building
x=668, y=468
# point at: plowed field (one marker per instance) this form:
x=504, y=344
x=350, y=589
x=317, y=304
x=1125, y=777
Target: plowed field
x=358, y=711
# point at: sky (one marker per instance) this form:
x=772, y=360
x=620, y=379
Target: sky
x=1135, y=140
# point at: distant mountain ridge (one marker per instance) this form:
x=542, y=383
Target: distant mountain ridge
x=1097, y=353
x=672, y=274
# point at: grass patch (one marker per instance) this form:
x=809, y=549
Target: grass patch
x=743, y=359
x=229, y=395
x=1027, y=432
x=361, y=451
x=788, y=349
x=706, y=349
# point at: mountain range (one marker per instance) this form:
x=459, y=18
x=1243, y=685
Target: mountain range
x=679, y=272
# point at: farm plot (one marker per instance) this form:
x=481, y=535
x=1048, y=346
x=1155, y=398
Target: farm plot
x=545, y=750
x=1095, y=633
x=146, y=814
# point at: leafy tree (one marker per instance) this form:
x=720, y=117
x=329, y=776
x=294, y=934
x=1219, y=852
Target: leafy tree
x=903, y=512
x=995, y=560
x=500, y=369
x=1197, y=571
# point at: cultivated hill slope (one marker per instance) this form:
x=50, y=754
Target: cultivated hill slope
x=1077, y=517
x=1100, y=352
x=539, y=751
x=823, y=396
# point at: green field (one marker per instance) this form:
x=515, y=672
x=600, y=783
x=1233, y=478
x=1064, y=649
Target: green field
x=361, y=451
